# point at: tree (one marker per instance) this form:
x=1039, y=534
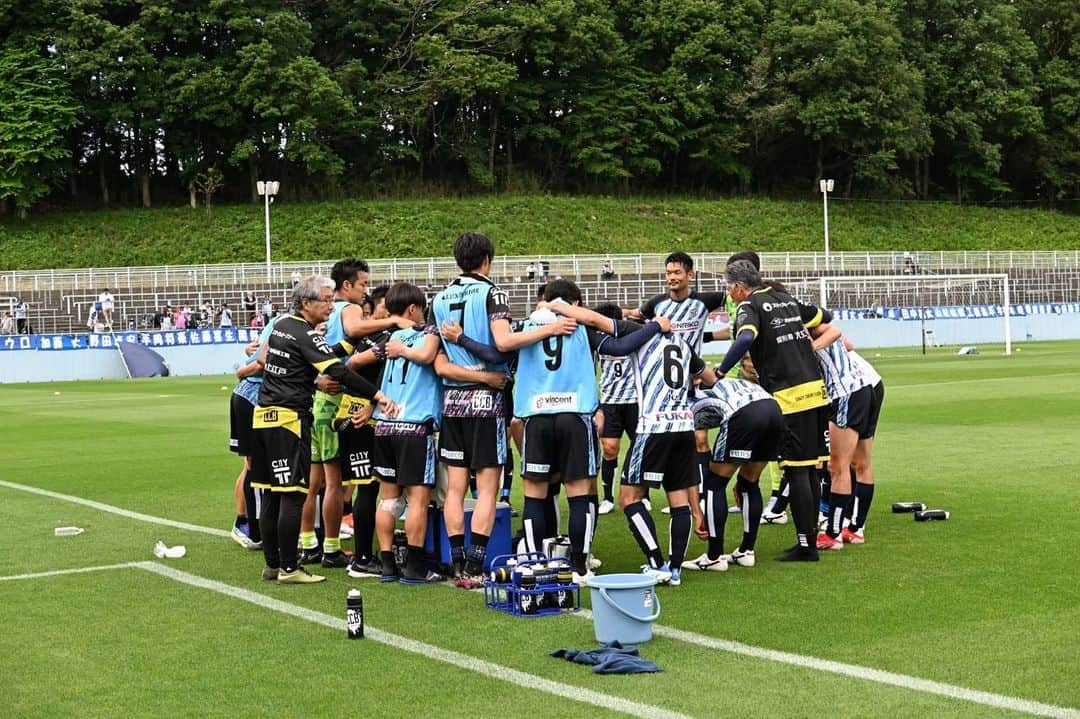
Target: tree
x=36, y=110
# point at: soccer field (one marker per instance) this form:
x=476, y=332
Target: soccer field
x=976, y=616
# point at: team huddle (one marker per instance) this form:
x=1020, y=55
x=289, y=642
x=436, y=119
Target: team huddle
x=376, y=400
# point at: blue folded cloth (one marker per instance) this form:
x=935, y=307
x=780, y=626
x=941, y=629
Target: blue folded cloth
x=611, y=658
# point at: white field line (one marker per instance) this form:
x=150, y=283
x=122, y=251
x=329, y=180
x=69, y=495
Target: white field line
x=974, y=380
x=853, y=670
x=115, y=510
x=866, y=673
x=428, y=651
x=75, y=570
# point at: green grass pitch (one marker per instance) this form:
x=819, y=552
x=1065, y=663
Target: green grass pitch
x=987, y=601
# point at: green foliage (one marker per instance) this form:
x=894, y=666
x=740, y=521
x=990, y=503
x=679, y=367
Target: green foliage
x=520, y=225
x=965, y=99
x=36, y=110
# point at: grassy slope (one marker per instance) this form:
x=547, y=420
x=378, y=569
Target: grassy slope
x=520, y=225
x=980, y=601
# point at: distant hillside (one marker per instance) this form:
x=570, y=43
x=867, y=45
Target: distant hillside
x=542, y=225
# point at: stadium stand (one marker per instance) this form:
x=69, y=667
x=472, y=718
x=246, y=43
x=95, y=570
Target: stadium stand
x=61, y=300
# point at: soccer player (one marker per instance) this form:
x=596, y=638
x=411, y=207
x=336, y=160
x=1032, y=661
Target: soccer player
x=473, y=435
x=404, y=451
x=619, y=405
x=242, y=401
x=853, y=420
x=557, y=398
x=350, y=277
x=688, y=310
x=750, y=424
x=296, y=354
x=664, y=369
x=862, y=461
x=772, y=326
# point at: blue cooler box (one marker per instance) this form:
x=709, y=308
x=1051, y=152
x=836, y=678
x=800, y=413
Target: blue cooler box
x=436, y=542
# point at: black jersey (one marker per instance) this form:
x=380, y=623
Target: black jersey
x=295, y=356
x=782, y=352
x=687, y=315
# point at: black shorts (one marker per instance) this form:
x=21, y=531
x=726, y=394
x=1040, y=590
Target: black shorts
x=404, y=454
x=853, y=412
x=354, y=447
x=877, y=398
x=619, y=418
x=563, y=444
x=751, y=435
x=281, y=458
x=665, y=460
x=240, y=415
x=473, y=442
x=804, y=441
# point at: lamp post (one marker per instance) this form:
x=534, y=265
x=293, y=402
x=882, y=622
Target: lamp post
x=826, y=188
x=267, y=190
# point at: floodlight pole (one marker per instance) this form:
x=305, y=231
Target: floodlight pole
x=267, y=190
x=826, y=187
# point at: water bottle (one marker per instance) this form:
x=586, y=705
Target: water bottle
x=565, y=595
x=68, y=531
x=931, y=514
x=354, y=614
x=527, y=598
x=902, y=507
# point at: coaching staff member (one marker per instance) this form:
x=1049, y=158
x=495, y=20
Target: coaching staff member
x=296, y=353
x=772, y=325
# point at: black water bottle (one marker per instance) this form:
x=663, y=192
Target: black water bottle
x=931, y=514
x=354, y=614
x=902, y=507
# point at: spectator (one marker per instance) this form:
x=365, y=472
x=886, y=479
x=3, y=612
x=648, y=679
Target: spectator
x=530, y=271
x=7, y=326
x=166, y=318
x=296, y=277
x=545, y=269
x=249, y=304
x=607, y=272
x=22, y=314
x=206, y=314
x=225, y=317
x=257, y=321
x=156, y=322
x=93, y=320
x=267, y=310
x=105, y=299
x=910, y=266
x=187, y=317
x=179, y=319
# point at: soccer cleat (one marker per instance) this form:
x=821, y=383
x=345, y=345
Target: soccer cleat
x=822, y=521
x=799, y=554
x=824, y=541
x=299, y=576
x=239, y=536
x=743, y=559
x=662, y=575
x=734, y=509
x=851, y=536
x=311, y=556
x=423, y=577
x=269, y=574
x=606, y=507
x=648, y=504
x=676, y=577
x=346, y=531
x=389, y=573
x=774, y=518
x=469, y=581
x=703, y=563
x=362, y=568
x=334, y=560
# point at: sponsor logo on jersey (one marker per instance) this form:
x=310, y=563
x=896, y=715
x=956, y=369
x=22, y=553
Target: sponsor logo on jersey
x=281, y=470
x=555, y=400
x=739, y=454
x=451, y=454
x=386, y=471
x=537, y=468
x=360, y=464
x=653, y=476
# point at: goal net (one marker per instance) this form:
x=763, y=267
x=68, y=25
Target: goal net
x=912, y=310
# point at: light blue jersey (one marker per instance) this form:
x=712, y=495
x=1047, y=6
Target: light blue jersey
x=335, y=330
x=249, y=387
x=556, y=375
x=473, y=301
x=414, y=388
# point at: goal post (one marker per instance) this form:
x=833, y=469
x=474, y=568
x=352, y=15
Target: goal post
x=948, y=301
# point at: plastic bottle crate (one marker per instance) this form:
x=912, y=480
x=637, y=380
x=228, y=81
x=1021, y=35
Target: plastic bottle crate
x=545, y=598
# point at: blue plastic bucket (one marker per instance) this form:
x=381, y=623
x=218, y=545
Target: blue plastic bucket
x=624, y=607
